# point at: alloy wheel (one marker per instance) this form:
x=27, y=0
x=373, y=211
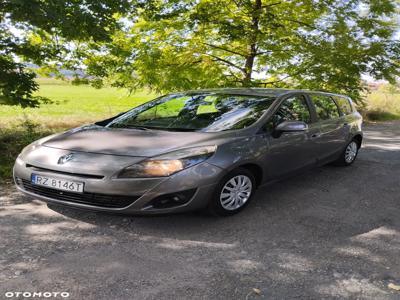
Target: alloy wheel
x=351, y=152
x=236, y=192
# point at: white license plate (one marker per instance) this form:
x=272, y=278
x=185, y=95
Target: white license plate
x=59, y=184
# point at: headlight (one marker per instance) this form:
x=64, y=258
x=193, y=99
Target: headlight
x=19, y=161
x=29, y=147
x=168, y=164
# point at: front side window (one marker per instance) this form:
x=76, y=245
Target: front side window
x=343, y=104
x=209, y=112
x=325, y=107
x=294, y=108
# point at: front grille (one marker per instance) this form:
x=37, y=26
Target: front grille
x=35, y=168
x=94, y=199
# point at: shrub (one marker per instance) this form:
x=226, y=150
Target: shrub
x=13, y=140
x=379, y=115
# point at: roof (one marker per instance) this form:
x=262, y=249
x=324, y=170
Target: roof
x=257, y=91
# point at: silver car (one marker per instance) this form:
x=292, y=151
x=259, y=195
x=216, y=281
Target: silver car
x=192, y=150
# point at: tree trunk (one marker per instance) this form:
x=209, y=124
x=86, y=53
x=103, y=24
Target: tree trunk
x=252, y=48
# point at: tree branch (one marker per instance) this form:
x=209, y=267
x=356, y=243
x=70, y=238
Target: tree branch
x=188, y=63
x=276, y=81
x=301, y=23
x=225, y=61
x=237, y=79
x=224, y=49
x=270, y=51
x=271, y=4
x=284, y=78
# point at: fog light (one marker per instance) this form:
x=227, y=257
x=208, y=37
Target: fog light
x=18, y=181
x=171, y=200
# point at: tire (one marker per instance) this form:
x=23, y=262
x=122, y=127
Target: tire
x=233, y=193
x=349, y=154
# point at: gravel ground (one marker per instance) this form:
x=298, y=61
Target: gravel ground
x=330, y=233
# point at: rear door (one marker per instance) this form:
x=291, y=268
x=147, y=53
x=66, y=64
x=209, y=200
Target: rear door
x=290, y=151
x=332, y=126
x=347, y=115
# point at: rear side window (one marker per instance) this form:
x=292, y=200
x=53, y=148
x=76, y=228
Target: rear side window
x=343, y=104
x=325, y=107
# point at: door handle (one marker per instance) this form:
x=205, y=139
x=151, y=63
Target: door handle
x=315, y=135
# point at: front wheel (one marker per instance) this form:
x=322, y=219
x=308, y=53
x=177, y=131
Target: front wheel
x=349, y=154
x=233, y=193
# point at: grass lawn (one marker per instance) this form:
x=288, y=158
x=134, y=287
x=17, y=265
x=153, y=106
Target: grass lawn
x=383, y=106
x=73, y=105
x=76, y=105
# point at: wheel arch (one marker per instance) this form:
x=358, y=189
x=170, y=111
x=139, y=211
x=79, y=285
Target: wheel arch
x=255, y=169
x=358, y=138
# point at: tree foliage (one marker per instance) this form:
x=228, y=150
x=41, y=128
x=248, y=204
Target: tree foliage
x=171, y=45
x=326, y=45
x=43, y=32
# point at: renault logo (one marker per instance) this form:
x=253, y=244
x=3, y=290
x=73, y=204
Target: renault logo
x=65, y=158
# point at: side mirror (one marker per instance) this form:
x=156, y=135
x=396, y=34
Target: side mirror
x=291, y=126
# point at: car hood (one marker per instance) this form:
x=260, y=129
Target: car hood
x=127, y=142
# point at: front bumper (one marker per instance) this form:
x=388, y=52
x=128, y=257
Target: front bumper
x=201, y=179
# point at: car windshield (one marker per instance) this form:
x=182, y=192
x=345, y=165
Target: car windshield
x=209, y=112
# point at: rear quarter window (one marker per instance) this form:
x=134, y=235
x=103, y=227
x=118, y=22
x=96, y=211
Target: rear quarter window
x=344, y=105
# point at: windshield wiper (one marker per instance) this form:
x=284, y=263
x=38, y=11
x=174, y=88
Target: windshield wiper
x=136, y=127
x=139, y=127
x=179, y=129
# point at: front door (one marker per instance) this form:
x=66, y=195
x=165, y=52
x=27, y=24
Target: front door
x=290, y=151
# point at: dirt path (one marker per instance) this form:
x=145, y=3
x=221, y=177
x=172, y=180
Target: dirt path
x=332, y=232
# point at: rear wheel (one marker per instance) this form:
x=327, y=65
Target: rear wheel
x=349, y=154
x=233, y=193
